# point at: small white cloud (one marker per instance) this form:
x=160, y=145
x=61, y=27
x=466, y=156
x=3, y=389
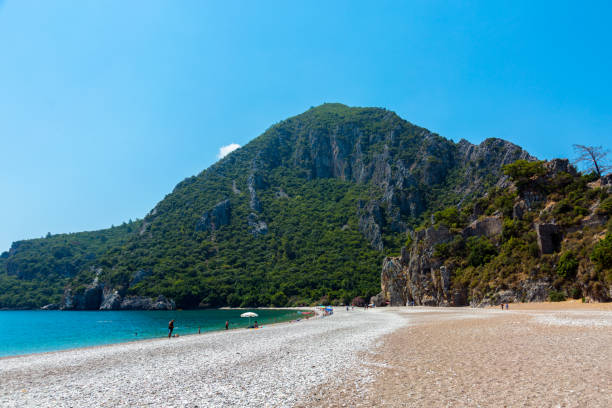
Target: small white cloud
x=225, y=150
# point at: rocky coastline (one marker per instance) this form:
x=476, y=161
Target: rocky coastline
x=101, y=296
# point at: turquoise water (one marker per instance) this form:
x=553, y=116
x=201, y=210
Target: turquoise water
x=33, y=331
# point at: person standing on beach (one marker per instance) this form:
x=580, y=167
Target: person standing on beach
x=226, y=324
x=170, y=328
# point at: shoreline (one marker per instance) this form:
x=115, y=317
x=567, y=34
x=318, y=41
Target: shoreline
x=149, y=339
x=567, y=305
x=573, y=302
x=276, y=366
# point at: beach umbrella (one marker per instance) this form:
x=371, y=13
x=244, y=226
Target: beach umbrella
x=249, y=315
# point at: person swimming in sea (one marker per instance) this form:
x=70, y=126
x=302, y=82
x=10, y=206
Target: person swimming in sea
x=170, y=328
x=226, y=324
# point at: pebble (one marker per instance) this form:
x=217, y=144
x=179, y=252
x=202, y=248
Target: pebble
x=275, y=366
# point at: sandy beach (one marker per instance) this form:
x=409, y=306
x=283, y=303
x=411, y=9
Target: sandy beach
x=557, y=355
x=534, y=355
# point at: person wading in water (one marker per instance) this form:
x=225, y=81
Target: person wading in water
x=170, y=328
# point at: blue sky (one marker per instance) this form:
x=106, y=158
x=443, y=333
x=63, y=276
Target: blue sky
x=106, y=105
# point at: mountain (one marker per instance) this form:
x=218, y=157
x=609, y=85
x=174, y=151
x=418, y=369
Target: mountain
x=304, y=213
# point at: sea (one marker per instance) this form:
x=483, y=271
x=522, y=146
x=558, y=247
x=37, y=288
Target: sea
x=36, y=331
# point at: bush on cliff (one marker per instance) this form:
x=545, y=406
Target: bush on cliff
x=605, y=208
x=448, y=217
x=522, y=172
x=568, y=265
x=602, y=253
x=556, y=296
x=480, y=251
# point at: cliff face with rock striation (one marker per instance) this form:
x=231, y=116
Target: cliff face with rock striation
x=545, y=238
x=102, y=296
x=418, y=277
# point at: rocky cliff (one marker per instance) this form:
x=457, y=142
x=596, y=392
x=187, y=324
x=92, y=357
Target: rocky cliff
x=418, y=277
x=101, y=296
x=543, y=240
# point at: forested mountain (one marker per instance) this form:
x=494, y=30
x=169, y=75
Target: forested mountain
x=304, y=212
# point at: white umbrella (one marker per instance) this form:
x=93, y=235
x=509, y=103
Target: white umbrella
x=249, y=315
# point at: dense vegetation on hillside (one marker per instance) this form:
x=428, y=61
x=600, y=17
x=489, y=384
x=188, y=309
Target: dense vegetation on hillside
x=582, y=266
x=39, y=269
x=302, y=214
x=305, y=255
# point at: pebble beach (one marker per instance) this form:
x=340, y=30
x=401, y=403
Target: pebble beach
x=275, y=366
x=404, y=357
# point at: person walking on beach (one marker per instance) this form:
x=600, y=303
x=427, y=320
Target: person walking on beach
x=507, y=306
x=226, y=324
x=170, y=328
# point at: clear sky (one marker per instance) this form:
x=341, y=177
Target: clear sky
x=106, y=105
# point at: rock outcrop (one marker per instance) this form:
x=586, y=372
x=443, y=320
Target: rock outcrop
x=235, y=188
x=254, y=200
x=87, y=298
x=549, y=238
x=214, y=219
x=370, y=223
x=111, y=300
x=488, y=227
x=98, y=296
x=518, y=210
x=146, y=303
x=378, y=300
x=527, y=291
x=258, y=226
x=532, y=198
x=394, y=282
x=417, y=277
x=557, y=166
x=483, y=160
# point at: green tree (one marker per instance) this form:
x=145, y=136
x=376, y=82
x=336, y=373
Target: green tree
x=568, y=265
x=602, y=253
x=523, y=171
